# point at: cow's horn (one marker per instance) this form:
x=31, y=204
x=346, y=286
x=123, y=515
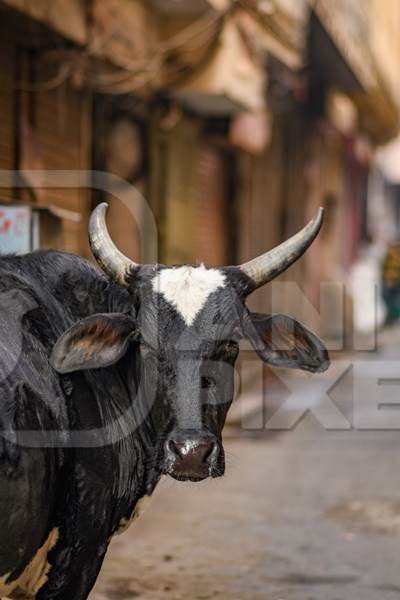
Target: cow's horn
x=110, y=259
x=266, y=267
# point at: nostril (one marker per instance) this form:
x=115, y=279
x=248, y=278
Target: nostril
x=207, y=452
x=174, y=448
x=214, y=453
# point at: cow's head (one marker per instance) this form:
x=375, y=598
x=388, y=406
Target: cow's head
x=187, y=326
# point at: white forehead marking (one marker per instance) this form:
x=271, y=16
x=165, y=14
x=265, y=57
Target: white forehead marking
x=187, y=288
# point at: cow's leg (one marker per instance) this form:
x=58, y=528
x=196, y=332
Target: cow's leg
x=26, y=503
x=83, y=520
x=76, y=582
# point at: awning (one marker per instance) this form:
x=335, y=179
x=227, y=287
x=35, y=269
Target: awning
x=347, y=24
x=67, y=18
x=231, y=80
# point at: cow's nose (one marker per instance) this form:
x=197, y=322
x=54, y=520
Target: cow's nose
x=199, y=450
x=191, y=456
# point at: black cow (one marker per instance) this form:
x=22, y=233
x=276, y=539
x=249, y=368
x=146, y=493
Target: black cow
x=108, y=381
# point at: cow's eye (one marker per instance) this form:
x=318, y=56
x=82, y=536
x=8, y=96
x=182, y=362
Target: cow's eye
x=230, y=349
x=230, y=346
x=207, y=383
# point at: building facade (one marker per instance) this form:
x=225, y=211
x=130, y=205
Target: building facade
x=235, y=120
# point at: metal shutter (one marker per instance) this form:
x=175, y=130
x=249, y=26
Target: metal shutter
x=61, y=121
x=7, y=107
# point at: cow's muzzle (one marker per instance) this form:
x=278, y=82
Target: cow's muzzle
x=192, y=455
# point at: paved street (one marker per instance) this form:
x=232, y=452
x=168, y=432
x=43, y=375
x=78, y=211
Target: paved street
x=302, y=515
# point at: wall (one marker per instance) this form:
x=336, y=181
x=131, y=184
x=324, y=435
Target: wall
x=43, y=129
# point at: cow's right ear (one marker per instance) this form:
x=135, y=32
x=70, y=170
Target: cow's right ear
x=97, y=341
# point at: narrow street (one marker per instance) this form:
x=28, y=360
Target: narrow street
x=304, y=515
x=176, y=175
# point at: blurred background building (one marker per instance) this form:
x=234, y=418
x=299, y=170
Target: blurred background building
x=235, y=119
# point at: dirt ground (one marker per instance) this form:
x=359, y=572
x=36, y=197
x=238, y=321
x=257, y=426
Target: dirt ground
x=292, y=520
x=308, y=514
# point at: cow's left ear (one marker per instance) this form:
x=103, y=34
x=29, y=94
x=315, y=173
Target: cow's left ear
x=97, y=341
x=284, y=342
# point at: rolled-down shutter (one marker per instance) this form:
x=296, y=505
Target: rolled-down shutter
x=54, y=126
x=7, y=107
